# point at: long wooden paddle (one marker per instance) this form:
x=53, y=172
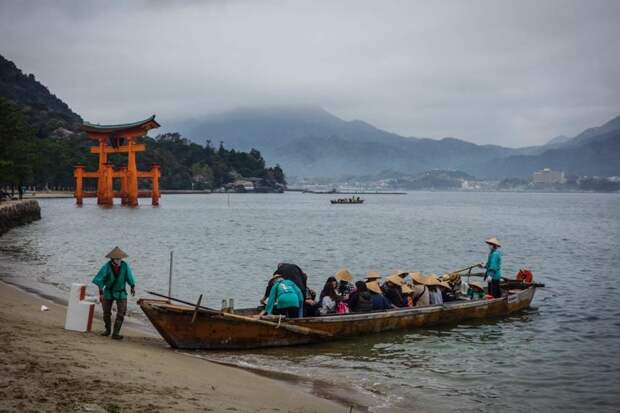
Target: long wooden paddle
x=290, y=327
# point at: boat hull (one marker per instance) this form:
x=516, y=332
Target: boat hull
x=214, y=331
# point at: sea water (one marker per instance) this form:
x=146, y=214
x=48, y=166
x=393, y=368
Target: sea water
x=561, y=354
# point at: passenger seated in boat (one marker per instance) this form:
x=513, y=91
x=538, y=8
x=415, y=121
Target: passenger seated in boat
x=311, y=307
x=407, y=293
x=285, y=298
x=379, y=302
x=475, y=291
x=421, y=292
x=329, y=297
x=361, y=299
x=392, y=291
x=345, y=286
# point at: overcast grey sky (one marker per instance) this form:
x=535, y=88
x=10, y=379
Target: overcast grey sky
x=513, y=73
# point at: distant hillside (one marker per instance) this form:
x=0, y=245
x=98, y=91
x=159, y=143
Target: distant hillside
x=41, y=109
x=309, y=141
x=589, y=155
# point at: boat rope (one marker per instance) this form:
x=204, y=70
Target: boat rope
x=279, y=320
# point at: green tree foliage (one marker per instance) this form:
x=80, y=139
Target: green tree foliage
x=184, y=163
x=17, y=146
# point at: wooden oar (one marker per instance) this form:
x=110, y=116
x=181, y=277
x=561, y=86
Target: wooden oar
x=464, y=269
x=481, y=274
x=290, y=327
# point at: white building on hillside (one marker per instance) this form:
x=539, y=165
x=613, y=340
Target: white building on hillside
x=548, y=177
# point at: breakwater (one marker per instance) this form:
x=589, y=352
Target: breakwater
x=16, y=213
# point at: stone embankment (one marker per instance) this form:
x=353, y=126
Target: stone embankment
x=16, y=213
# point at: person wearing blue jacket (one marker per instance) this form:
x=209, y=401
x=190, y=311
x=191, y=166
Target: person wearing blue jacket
x=494, y=267
x=285, y=298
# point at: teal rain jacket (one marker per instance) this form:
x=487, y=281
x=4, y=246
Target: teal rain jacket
x=114, y=287
x=284, y=294
x=494, y=264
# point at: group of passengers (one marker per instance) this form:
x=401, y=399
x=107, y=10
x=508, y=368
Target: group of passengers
x=287, y=292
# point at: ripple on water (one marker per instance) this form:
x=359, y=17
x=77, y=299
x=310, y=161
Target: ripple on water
x=558, y=355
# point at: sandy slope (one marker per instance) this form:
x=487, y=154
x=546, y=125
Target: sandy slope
x=45, y=368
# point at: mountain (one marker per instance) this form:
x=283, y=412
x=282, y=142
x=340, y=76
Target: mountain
x=594, y=152
x=43, y=111
x=558, y=140
x=311, y=142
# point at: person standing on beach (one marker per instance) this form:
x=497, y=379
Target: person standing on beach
x=111, y=280
x=494, y=267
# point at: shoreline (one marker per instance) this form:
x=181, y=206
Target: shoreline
x=66, y=370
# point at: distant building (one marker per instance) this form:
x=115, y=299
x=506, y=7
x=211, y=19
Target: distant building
x=548, y=177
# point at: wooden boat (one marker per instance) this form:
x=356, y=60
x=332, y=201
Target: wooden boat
x=347, y=201
x=196, y=327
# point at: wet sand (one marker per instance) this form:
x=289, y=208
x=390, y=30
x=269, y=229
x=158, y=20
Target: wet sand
x=46, y=368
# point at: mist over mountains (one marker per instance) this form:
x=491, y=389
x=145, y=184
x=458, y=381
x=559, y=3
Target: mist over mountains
x=311, y=142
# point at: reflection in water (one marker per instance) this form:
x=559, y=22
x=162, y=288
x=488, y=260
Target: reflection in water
x=558, y=355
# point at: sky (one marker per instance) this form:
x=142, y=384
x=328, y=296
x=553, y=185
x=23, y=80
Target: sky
x=512, y=73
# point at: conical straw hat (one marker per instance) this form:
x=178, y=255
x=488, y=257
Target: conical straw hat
x=418, y=278
x=395, y=279
x=117, y=253
x=493, y=241
x=406, y=289
x=372, y=275
x=434, y=280
x=344, y=275
x=476, y=286
x=374, y=287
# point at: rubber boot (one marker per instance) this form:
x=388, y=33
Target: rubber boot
x=107, y=330
x=117, y=328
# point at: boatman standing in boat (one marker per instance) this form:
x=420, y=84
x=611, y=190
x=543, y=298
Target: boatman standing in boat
x=112, y=280
x=494, y=267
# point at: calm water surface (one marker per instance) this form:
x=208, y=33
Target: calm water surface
x=562, y=354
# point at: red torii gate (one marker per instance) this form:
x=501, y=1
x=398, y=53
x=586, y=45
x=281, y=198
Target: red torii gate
x=118, y=139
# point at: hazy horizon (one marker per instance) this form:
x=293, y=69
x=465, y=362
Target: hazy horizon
x=490, y=72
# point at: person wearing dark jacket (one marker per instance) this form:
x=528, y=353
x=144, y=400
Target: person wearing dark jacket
x=391, y=290
x=290, y=272
x=361, y=299
x=379, y=302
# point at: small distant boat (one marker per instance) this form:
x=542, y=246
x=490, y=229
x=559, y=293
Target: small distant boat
x=353, y=200
x=192, y=326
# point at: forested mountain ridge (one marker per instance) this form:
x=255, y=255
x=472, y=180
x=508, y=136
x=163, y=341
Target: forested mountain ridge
x=41, y=142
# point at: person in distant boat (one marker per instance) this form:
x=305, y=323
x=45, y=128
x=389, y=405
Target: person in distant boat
x=493, y=267
x=379, y=302
x=329, y=298
x=392, y=291
x=112, y=279
x=361, y=299
x=285, y=298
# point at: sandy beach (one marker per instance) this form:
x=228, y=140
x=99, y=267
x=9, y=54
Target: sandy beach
x=46, y=368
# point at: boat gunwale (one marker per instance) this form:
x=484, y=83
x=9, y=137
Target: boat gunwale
x=160, y=305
